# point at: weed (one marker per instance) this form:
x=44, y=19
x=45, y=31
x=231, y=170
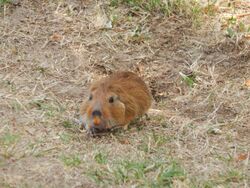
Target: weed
x=40, y=69
x=230, y=32
x=160, y=119
x=65, y=137
x=210, y=9
x=100, y=176
x=144, y=147
x=232, y=20
x=101, y=158
x=195, y=14
x=229, y=158
x=136, y=169
x=5, y=185
x=225, y=179
x=41, y=152
x=10, y=84
x=188, y=79
x=115, y=19
x=138, y=36
x=50, y=109
x=8, y=139
x=120, y=175
x=2, y=2
x=71, y=160
x=67, y=124
x=232, y=176
x=122, y=172
x=114, y=3
x=235, y=26
x=2, y=162
x=139, y=172
x=159, y=139
x=209, y=184
x=166, y=176
x=167, y=8
x=242, y=27
x=137, y=123
x=16, y=106
x=152, y=142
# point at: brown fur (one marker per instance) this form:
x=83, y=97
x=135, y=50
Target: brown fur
x=133, y=99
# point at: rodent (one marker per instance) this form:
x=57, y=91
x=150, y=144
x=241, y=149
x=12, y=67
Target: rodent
x=114, y=100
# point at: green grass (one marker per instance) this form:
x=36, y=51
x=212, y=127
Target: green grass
x=230, y=32
x=2, y=2
x=5, y=185
x=159, y=139
x=40, y=69
x=65, y=137
x=225, y=179
x=188, y=79
x=142, y=173
x=8, y=139
x=120, y=173
x=36, y=148
x=49, y=108
x=71, y=160
x=67, y=124
x=129, y=170
x=101, y=158
x=182, y=8
x=16, y=106
x=2, y=162
x=7, y=143
x=174, y=171
x=225, y=158
x=232, y=176
x=146, y=5
x=138, y=36
x=10, y=84
x=152, y=142
x=236, y=26
x=167, y=8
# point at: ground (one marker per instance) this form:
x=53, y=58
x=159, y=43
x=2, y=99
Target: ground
x=196, y=62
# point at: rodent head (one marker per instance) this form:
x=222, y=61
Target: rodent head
x=102, y=110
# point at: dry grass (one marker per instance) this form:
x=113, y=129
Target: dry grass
x=51, y=50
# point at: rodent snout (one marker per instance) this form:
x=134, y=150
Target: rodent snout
x=96, y=116
x=97, y=123
x=96, y=113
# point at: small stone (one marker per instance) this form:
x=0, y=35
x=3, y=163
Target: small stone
x=215, y=131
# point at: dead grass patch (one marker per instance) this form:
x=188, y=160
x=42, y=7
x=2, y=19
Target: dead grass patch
x=196, y=70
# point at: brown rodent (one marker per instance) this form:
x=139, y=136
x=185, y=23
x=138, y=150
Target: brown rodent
x=115, y=100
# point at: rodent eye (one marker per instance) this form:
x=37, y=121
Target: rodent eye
x=90, y=97
x=111, y=99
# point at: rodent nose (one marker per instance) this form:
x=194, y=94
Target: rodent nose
x=97, y=113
